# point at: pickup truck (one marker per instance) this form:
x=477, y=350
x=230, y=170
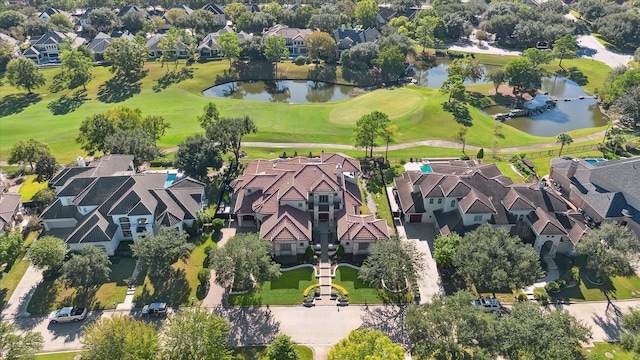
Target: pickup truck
x=68, y=314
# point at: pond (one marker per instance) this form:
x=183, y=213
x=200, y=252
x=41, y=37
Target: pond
x=432, y=76
x=565, y=116
x=286, y=91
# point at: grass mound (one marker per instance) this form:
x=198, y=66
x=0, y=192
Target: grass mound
x=394, y=102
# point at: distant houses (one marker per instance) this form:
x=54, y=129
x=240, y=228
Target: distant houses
x=99, y=44
x=348, y=38
x=208, y=47
x=46, y=48
x=218, y=13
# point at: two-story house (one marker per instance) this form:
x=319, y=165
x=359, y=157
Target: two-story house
x=101, y=42
x=218, y=13
x=460, y=195
x=287, y=200
x=155, y=50
x=294, y=38
x=46, y=14
x=348, y=38
x=46, y=48
x=209, y=47
x=106, y=202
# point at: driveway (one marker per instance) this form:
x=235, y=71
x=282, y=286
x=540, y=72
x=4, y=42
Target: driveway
x=423, y=236
x=590, y=47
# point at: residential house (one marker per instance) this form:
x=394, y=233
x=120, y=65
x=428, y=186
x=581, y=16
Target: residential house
x=182, y=7
x=208, y=47
x=218, y=13
x=48, y=12
x=105, y=203
x=45, y=48
x=293, y=37
x=131, y=8
x=460, y=195
x=601, y=190
x=290, y=200
x=13, y=42
x=347, y=38
x=252, y=8
x=153, y=44
x=385, y=14
x=85, y=20
x=9, y=208
x=101, y=42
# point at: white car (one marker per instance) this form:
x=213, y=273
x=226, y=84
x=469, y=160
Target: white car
x=68, y=314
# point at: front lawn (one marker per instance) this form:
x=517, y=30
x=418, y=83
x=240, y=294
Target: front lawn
x=286, y=290
x=258, y=352
x=51, y=294
x=11, y=275
x=70, y=355
x=359, y=292
x=615, y=288
x=602, y=348
x=30, y=187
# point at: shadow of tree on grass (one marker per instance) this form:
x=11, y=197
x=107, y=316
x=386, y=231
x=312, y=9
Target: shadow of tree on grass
x=251, y=325
x=119, y=88
x=173, y=289
x=173, y=77
x=16, y=103
x=388, y=319
x=67, y=104
x=459, y=111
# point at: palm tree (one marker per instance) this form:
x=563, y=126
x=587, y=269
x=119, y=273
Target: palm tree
x=563, y=139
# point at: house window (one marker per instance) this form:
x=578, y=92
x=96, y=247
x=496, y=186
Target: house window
x=301, y=244
x=141, y=228
x=285, y=247
x=477, y=218
x=123, y=220
x=299, y=204
x=126, y=233
x=430, y=201
x=323, y=198
x=453, y=203
x=439, y=201
x=363, y=246
x=143, y=221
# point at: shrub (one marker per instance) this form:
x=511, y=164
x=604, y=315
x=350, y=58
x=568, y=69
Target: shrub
x=204, y=275
x=284, y=155
x=562, y=283
x=481, y=35
x=306, y=291
x=575, y=272
x=343, y=298
x=317, y=292
x=34, y=224
x=309, y=252
x=300, y=60
x=340, y=289
x=217, y=224
x=552, y=286
x=464, y=157
x=335, y=293
x=540, y=294
x=340, y=251
x=522, y=297
x=627, y=341
x=480, y=153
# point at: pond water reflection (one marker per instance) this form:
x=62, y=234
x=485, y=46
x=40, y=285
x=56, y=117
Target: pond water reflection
x=289, y=91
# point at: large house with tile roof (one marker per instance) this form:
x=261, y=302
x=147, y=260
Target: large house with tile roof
x=289, y=200
x=106, y=202
x=294, y=38
x=601, y=190
x=459, y=196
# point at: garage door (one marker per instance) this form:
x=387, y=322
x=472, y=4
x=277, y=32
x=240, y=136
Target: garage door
x=415, y=218
x=248, y=217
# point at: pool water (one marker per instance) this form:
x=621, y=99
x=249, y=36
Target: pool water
x=595, y=161
x=171, y=177
x=426, y=169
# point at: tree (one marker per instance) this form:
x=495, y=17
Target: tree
x=91, y=268
x=565, y=46
x=445, y=248
x=133, y=21
x=390, y=61
x=10, y=18
x=393, y=261
x=492, y=259
x=481, y=35
x=24, y=74
x=136, y=142
x=389, y=135
x=461, y=135
x=28, y=151
x=611, y=249
x=324, y=21
x=537, y=57
x=48, y=252
x=628, y=105
x=76, y=68
x=366, y=12
x=103, y=19
x=155, y=126
x=196, y=155
x=243, y=259
x=282, y=348
x=452, y=328
x=229, y=46
x=368, y=127
x=563, y=139
x=234, y=10
x=44, y=197
x=320, y=45
x=209, y=116
x=46, y=167
x=7, y=52
x=196, y=334
x=61, y=21
x=362, y=55
x=362, y=344
x=126, y=57
x=454, y=86
x=10, y=246
x=174, y=15
x=467, y=68
x=157, y=253
x=522, y=74
x=562, y=337
x=15, y=345
x=275, y=49
x=120, y=337
x=498, y=76
x=93, y=132
x=228, y=133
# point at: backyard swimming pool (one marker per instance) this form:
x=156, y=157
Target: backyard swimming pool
x=595, y=161
x=426, y=169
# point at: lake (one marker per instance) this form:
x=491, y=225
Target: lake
x=286, y=91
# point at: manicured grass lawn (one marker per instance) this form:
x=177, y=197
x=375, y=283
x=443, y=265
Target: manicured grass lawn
x=615, y=288
x=30, y=187
x=10, y=277
x=258, y=352
x=51, y=294
x=182, y=284
x=359, y=292
x=58, y=356
x=417, y=111
x=286, y=290
x=602, y=348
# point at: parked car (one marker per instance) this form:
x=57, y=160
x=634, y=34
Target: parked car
x=155, y=309
x=489, y=304
x=68, y=314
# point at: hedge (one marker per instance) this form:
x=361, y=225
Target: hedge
x=340, y=289
x=306, y=291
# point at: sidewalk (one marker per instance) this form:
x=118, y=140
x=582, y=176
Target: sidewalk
x=216, y=292
x=17, y=305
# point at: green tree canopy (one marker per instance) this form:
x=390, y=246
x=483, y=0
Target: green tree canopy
x=390, y=61
x=320, y=45
x=120, y=337
x=24, y=74
x=46, y=167
x=611, y=249
x=10, y=246
x=537, y=57
x=368, y=127
x=47, y=252
x=493, y=259
x=393, y=261
x=196, y=155
x=158, y=252
x=15, y=345
x=44, y=197
x=522, y=74
x=563, y=139
x=467, y=68
x=366, y=12
x=196, y=334
x=275, y=49
x=243, y=257
x=498, y=76
x=282, y=348
x=445, y=248
x=134, y=142
x=228, y=133
x=90, y=268
x=229, y=46
x=126, y=57
x=28, y=151
x=363, y=344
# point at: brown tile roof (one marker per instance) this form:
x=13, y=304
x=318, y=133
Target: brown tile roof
x=544, y=224
x=288, y=223
x=362, y=227
x=348, y=163
x=514, y=201
x=476, y=203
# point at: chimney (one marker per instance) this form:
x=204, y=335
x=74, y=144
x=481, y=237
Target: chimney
x=339, y=175
x=342, y=28
x=80, y=161
x=573, y=167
